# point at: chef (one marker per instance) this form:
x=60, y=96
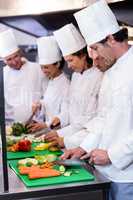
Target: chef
x=84, y=88
x=23, y=80
x=109, y=143
x=55, y=99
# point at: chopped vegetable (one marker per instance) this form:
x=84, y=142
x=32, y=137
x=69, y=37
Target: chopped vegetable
x=8, y=130
x=28, y=161
x=47, y=165
x=51, y=157
x=43, y=173
x=13, y=148
x=34, y=172
x=26, y=170
x=62, y=169
x=41, y=159
x=75, y=172
x=10, y=142
x=68, y=173
x=42, y=146
x=18, y=129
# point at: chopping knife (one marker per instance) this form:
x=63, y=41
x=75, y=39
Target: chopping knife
x=74, y=162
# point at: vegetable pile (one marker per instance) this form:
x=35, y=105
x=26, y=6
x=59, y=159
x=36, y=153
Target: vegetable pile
x=22, y=145
x=18, y=129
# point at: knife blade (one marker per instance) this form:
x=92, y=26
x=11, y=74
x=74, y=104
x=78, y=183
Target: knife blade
x=71, y=162
x=76, y=162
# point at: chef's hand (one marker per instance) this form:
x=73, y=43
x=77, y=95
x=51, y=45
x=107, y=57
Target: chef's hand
x=36, y=127
x=55, y=121
x=97, y=157
x=36, y=106
x=57, y=141
x=73, y=153
x=51, y=136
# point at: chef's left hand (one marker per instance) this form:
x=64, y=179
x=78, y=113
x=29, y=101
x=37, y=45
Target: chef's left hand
x=55, y=139
x=55, y=121
x=36, y=127
x=98, y=157
x=59, y=141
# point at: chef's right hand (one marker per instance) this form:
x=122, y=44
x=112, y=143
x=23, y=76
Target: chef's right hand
x=36, y=106
x=73, y=153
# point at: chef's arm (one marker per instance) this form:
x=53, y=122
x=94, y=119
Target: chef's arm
x=64, y=110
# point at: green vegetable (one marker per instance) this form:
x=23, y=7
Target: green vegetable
x=68, y=173
x=75, y=172
x=62, y=169
x=28, y=162
x=51, y=157
x=10, y=142
x=18, y=128
x=41, y=159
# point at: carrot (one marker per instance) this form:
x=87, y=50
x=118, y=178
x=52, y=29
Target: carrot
x=43, y=173
x=26, y=170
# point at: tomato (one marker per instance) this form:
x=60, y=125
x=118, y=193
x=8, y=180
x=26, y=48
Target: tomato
x=24, y=145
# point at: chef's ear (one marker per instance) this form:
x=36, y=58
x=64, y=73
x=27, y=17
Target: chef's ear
x=58, y=64
x=110, y=40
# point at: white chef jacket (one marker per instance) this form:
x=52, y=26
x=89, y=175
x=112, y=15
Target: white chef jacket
x=82, y=103
x=55, y=100
x=22, y=88
x=112, y=129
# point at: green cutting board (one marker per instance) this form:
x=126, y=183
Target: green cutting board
x=32, y=153
x=83, y=175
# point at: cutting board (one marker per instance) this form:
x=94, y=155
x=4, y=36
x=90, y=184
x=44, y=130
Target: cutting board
x=28, y=154
x=83, y=175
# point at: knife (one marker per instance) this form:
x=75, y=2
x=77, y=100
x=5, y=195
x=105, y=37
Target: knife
x=71, y=162
x=75, y=162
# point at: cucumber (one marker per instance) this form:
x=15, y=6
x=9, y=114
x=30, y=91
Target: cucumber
x=62, y=169
x=68, y=173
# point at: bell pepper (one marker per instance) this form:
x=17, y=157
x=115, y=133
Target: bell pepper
x=24, y=145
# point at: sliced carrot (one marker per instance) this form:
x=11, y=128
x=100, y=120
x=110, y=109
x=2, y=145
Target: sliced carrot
x=26, y=170
x=43, y=173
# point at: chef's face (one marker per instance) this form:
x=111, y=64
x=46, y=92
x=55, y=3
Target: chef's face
x=102, y=55
x=14, y=60
x=76, y=63
x=50, y=70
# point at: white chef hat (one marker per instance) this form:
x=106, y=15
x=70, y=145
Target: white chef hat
x=96, y=22
x=69, y=39
x=48, y=50
x=8, y=44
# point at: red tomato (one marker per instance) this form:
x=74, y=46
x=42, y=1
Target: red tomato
x=24, y=145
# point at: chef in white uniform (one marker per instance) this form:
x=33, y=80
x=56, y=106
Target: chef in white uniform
x=55, y=99
x=85, y=84
x=109, y=143
x=23, y=80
